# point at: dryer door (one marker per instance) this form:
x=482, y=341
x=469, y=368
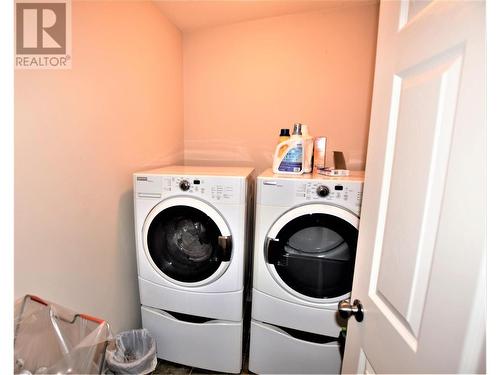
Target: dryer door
x=311, y=250
x=187, y=241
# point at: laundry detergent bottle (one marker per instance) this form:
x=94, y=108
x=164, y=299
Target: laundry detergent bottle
x=289, y=154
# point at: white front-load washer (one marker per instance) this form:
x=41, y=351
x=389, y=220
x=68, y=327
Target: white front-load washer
x=191, y=226
x=306, y=230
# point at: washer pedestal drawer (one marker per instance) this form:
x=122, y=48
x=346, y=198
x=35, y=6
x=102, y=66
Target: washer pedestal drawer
x=273, y=351
x=214, y=345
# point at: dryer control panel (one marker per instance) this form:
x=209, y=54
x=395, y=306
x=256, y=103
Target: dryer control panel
x=288, y=193
x=214, y=189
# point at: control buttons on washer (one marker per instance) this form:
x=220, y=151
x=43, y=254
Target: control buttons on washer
x=323, y=191
x=184, y=185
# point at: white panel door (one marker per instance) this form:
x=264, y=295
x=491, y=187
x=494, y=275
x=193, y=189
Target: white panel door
x=421, y=249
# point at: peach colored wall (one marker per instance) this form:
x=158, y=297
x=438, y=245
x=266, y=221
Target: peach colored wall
x=245, y=81
x=79, y=136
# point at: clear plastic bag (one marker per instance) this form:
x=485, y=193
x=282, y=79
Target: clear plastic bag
x=134, y=352
x=50, y=339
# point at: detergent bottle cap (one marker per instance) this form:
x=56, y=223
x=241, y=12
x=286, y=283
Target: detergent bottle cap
x=284, y=132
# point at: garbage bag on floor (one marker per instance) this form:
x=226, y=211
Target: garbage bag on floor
x=50, y=339
x=134, y=352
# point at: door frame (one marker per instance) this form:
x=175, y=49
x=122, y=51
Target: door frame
x=468, y=122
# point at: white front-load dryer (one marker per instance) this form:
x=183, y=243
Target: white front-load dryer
x=306, y=230
x=191, y=226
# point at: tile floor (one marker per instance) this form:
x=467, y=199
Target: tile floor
x=170, y=368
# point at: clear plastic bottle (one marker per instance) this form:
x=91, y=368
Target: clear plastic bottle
x=308, y=141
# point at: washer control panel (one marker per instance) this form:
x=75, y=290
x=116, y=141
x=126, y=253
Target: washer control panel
x=224, y=190
x=216, y=189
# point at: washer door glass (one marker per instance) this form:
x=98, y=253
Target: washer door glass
x=314, y=255
x=186, y=244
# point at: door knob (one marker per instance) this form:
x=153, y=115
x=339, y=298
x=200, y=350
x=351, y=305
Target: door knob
x=346, y=310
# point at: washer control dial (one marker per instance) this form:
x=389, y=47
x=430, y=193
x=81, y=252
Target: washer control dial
x=323, y=191
x=184, y=185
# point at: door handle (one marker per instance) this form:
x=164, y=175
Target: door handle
x=346, y=310
x=225, y=247
x=272, y=250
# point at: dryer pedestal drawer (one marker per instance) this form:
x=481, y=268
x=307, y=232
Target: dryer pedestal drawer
x=214, y=345
x=273, y=351
x=323, y=321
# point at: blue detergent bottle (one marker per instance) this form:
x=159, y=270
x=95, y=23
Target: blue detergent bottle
x=289, y=155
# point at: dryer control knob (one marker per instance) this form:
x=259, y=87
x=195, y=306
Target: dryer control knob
x=323, y=191
x=184, y=185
